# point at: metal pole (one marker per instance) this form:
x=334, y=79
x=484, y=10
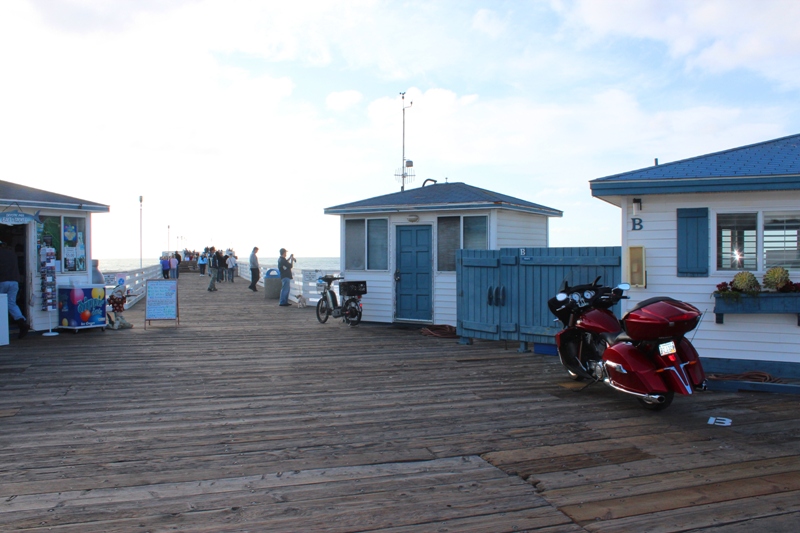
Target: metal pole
x=403, y=166
x=404, y=173
x=167, y=237
x=140, y=232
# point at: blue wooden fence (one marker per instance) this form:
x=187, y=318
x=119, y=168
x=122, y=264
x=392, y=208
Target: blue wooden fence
x=502, y=294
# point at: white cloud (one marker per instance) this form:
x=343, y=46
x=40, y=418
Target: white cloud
x=340, y=101
x=713, y=35
x=228, y=118
x=487, y=21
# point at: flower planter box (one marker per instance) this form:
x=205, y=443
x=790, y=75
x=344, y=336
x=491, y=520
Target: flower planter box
x=764, y=303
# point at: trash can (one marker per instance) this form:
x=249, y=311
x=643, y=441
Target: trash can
x=272, y=284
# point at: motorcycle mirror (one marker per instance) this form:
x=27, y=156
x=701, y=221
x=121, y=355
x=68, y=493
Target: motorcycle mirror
x=624, y=286
x=561, y=296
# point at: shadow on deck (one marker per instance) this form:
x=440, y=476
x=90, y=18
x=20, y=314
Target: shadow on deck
x=252, y=417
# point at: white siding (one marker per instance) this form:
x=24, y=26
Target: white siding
x=506, y=229
x=379, y=301
x=444, y=298
x=750, y=336
x=516, y=229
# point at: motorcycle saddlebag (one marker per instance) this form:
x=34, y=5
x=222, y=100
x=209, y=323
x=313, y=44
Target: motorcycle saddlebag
x=660, y=318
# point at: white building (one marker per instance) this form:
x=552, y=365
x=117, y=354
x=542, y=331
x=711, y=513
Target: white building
x=32, y=218
x=692, y=224
x=404, y=245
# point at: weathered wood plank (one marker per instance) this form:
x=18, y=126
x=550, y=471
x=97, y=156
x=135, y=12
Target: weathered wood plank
x=251, y=417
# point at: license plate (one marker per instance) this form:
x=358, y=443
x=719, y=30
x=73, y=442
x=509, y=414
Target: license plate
x=667, y=348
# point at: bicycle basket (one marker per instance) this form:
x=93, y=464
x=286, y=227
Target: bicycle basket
x=352, y=288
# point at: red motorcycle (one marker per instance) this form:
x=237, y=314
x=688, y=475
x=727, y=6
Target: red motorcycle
x=646, y=354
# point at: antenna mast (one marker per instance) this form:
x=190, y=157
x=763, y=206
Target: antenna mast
x=406, y=171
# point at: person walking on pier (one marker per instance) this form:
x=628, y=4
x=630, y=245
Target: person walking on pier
x=202, y=261
x=285, y=268
x=213, y=268
x=9, y=284
x=255, y=270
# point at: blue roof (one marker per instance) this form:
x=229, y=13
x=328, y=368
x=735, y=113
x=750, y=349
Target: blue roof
x=441, y=196
x=13, y=194
x=769, y=165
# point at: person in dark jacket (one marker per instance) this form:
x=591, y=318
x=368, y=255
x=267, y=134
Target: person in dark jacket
x=213, y=267
x=285, y=268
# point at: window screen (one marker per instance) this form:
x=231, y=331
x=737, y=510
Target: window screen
x=378, y=244
x=354, y=245
x=476, y=235
x=781, y=246
x=448, y=234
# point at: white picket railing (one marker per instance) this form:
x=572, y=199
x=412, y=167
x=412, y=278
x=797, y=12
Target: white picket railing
x=305, y=283
x=134, y=281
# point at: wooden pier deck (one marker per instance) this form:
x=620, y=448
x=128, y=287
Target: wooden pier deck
x=252, y=417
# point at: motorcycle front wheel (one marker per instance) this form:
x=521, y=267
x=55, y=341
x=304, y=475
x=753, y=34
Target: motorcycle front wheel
x=323, y=312
x=352, y=312
x=668, y=397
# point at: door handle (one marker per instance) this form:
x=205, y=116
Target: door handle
x=500, y=296
x=490, y=296
x=397, y=275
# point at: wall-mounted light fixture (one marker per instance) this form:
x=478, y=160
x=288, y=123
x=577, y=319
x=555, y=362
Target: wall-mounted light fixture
x=412, y=218
x=637, y=205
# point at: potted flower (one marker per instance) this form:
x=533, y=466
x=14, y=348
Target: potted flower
x=744, y=294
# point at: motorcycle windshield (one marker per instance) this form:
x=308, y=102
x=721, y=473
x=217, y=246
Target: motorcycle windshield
x=580, y=279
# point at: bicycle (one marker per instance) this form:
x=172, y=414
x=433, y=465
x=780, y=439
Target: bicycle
x=328, y=304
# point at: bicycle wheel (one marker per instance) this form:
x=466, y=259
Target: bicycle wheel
x=323, y=312
x=352, y=312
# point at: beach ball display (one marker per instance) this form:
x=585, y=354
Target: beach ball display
x=65, y=322
x=76, y=296
x=98, y=293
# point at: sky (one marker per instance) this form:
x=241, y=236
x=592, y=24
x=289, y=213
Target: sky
x=239, y=121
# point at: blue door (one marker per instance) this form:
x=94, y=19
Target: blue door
x=414, y=274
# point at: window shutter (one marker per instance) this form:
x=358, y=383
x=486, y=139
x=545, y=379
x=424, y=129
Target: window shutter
x=693, y=244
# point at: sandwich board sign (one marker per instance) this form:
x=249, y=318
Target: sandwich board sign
x=162, y=301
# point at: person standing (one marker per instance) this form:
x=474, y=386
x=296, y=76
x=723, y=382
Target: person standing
x=231, y=267
x=255, y=270
x=173, y=267
x=285, y=268
x=213, y=267
x=202, y=261
x=9, y=284
x=178, y=267
x=165, y=266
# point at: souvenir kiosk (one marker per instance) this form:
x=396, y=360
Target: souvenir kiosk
x=51, y=235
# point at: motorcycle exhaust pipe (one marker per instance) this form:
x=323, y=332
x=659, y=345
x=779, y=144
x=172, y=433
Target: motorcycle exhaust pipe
x=654, y=399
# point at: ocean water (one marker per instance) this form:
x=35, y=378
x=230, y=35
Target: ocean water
x=107, y=266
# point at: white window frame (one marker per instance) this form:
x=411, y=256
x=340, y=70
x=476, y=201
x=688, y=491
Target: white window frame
x=760, y=268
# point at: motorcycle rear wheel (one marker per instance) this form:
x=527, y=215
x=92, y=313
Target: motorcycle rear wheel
x=668, y=397
x=352, y=312
x=322, y=310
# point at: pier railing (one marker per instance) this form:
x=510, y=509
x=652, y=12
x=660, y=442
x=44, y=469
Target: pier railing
x=304, y=282
x=134, y=281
